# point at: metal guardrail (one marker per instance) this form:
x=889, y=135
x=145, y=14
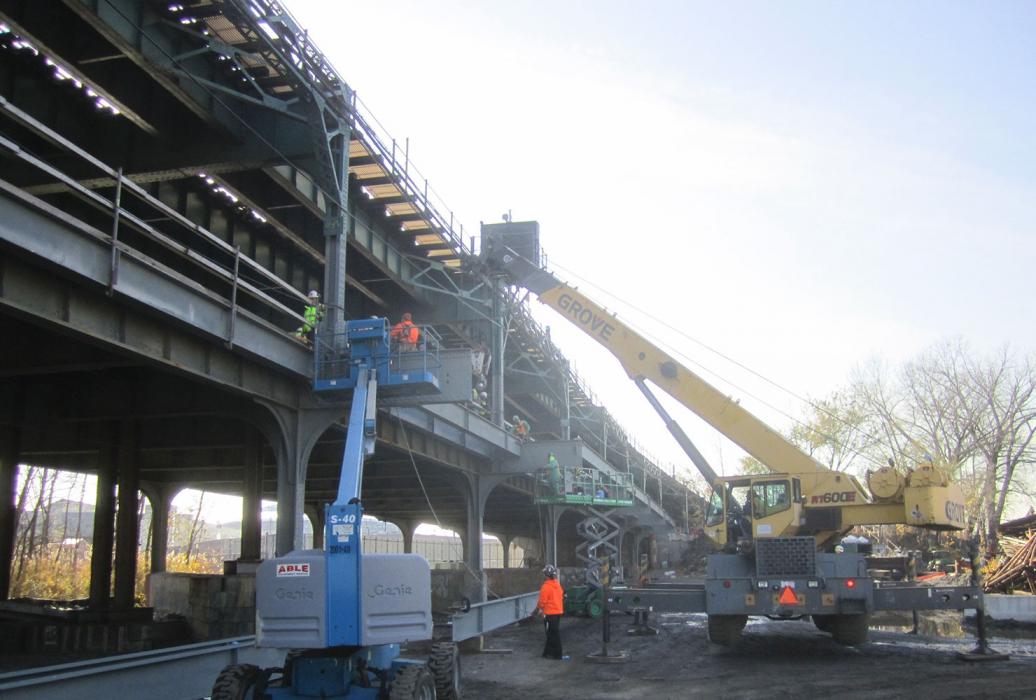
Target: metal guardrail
x=493, y=614
x=295, y=52
x=176, y=673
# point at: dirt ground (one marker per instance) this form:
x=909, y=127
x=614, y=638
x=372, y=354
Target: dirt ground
x=774, y=659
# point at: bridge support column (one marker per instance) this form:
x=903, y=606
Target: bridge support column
x=407, y=527
x=472, y=545
x=550, y=534
x=127, y=527
x=479, y=489
x=293, y=436
x=9, y=449
x=104, y=528
x=505, y=542
x=161, y=498
x=315, y=513
x=252, y=498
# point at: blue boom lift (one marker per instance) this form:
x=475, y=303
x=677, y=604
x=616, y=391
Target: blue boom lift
x=341, y=613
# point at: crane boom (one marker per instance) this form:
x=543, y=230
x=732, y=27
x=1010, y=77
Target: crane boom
x=642, y=359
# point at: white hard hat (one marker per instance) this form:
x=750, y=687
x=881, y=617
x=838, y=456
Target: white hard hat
x=313, y=293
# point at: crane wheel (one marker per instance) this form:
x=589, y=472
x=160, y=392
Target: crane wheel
x=235, y=682
x=444, y=663
x=850, y=629
x=725, y=630
x=824, y=623
x=413, y=682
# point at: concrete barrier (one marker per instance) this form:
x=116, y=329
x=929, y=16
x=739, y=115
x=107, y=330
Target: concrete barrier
x=214, y=606
x=1009, y=608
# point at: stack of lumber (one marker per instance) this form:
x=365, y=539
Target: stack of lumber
x=1017, y=570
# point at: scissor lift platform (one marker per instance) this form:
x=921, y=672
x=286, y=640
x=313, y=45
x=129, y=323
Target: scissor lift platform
x=583, y=486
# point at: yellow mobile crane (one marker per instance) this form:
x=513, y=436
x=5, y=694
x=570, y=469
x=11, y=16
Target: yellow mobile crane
x=779, y=533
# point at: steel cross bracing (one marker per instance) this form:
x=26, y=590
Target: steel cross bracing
x=598, y=547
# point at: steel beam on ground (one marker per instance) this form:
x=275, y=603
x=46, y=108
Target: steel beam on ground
x=166, y=674
x=687, y=600
x=910, y=597
x=493, y=614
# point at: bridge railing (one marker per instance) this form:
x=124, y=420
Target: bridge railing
x=583, y=485
x=291, y=44
x=181, y=244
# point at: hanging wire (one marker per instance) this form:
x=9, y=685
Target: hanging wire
x=482, y=579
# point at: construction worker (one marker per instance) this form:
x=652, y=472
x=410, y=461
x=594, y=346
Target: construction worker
x=555, y=473
x=313, y=315
x=551, y=605
x=406, y=334
x=521, y=428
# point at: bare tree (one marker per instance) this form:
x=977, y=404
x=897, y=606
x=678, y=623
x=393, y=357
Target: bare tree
x=975, y=417
x=1003, y=432
x=196, y=526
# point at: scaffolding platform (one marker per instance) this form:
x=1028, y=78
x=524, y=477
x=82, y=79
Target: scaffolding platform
x=583, y=486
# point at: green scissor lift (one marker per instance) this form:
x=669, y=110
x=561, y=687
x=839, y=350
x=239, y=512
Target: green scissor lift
x=583, y=486
x=598, y=493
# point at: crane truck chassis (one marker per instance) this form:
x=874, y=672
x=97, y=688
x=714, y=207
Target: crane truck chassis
x=779, y=534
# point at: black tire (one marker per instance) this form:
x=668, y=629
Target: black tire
x=725, y=630
x=595, y=608
x=235, y=682
x=824, y=623
x=444, y=663
x=413, y=682
x=850, y=630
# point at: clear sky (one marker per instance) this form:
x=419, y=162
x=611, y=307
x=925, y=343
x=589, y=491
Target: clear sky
x=803, y=186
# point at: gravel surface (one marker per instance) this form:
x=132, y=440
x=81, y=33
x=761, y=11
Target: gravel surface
x=774, y=659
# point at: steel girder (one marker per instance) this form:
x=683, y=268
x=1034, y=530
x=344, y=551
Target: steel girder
x=182, y=318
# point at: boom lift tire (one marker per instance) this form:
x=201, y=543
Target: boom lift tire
x=235, y=682
x=444, y=663
x=725, y=630
x=850, y=629
x=824, y=623
x=413, y=682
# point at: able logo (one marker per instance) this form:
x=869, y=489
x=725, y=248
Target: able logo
x=300, y=569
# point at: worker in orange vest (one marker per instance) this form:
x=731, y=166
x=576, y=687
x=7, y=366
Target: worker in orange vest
x=406, y=334
x=552, y=605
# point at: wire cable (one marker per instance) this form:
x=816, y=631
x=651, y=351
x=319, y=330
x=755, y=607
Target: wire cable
x=482, y=579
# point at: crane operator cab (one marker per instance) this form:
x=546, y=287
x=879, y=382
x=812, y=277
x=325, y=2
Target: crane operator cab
x=743, y=508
